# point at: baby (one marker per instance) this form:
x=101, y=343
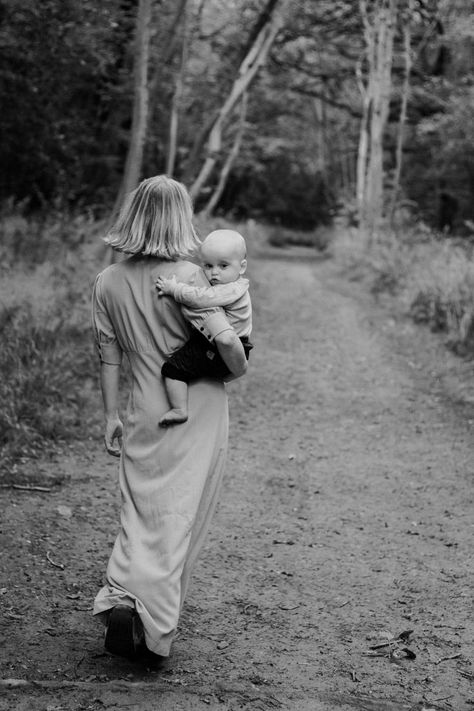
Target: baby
x=223, y=260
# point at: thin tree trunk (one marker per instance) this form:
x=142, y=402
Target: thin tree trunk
x=362, y=153
x=168, y=49
x=320, y=116
x=247, y=72
x=175, y=104
x=403, y=109
x=134, y=159
x=379, y=36
x=230, y=159
x=382, y=89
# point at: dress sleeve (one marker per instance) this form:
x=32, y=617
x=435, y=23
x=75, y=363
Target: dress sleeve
x=104, y=335
x=210, y=321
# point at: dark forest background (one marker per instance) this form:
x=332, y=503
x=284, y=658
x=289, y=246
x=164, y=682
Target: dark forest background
x=67, y=87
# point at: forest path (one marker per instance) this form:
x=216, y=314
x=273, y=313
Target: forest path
x=345, y=517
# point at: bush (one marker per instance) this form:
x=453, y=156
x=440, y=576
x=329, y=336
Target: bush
x=441, y=291
x=431, y=276
x=44, y=369
x=47, y=358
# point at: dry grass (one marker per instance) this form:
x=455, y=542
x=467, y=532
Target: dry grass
x=47, y=359
x=431, y=275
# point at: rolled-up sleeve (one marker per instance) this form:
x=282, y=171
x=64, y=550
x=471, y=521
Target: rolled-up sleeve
x=210, y=322
x=105, y=338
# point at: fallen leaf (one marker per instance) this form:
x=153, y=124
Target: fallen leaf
x=65, y=511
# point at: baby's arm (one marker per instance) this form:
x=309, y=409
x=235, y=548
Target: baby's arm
x=202, y=297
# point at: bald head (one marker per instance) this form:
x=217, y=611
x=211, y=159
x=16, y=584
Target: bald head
x=226, y=241
x=223, y=256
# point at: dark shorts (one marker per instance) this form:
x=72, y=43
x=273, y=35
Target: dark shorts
x=198, y=359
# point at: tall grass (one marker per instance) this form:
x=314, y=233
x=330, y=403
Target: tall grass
x=47, y=360
x=431, y=275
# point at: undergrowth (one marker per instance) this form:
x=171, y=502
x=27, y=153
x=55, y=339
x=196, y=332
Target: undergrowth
x=48, y=362
x=431, y=275
x=47, y=359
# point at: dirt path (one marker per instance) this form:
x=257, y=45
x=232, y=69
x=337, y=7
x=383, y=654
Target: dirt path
x=345, y=520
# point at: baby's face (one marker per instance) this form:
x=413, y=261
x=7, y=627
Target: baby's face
x=221, y=265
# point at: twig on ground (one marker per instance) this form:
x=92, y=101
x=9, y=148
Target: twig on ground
x=56, y=565
x=79, y=684
x=25, y=487
x=445, y=659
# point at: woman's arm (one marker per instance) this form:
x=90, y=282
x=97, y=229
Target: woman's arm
x=110, y=354
x=109, y=382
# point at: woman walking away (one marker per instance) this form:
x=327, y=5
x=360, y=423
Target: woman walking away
x=169, y=478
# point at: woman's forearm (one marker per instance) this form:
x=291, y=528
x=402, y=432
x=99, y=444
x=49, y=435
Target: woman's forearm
x=232, y=352
x=109, y=382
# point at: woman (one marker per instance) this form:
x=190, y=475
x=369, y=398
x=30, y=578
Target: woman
x=169, y=478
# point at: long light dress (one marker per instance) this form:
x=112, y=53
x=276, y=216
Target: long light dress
x=169, y=477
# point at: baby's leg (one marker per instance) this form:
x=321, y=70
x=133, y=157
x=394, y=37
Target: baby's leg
x=177, y=392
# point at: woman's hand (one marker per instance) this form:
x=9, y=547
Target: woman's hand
x=113, y=433
x=166, y=285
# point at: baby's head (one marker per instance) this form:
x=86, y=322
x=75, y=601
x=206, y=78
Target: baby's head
x=223, y=256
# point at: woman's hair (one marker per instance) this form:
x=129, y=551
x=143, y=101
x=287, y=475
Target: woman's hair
x=156, y=220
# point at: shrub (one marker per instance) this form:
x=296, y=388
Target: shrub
x=47, y=358
x=44, y=369
x=441, y=291
x=431, y=276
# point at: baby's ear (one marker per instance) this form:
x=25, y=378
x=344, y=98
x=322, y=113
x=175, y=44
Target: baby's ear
x=243, y=266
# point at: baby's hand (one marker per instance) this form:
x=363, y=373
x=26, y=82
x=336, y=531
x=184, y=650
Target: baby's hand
x=165, y=285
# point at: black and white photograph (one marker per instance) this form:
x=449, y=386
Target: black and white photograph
x=237, y=355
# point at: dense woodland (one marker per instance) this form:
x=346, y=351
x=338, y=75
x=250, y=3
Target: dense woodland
x=272, y=109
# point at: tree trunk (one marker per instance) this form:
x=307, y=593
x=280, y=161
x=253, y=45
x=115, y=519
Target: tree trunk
x=133, y=163
x=363, y=150
x=319, y=109
x=247, y=72
x=379, y=35
x=229, y=161
x=403, y=109
x=167, y=49
x=134, y=159
x=175, y=104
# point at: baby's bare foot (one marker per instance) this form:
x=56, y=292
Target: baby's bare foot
x=173, y=417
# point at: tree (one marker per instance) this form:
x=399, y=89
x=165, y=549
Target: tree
x=133, y=163
x=226, y=168
x=177, y=95
x=404, y=104
x=379, y=30
x=249, y=67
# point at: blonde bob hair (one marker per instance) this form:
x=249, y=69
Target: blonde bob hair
x=156, y=220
